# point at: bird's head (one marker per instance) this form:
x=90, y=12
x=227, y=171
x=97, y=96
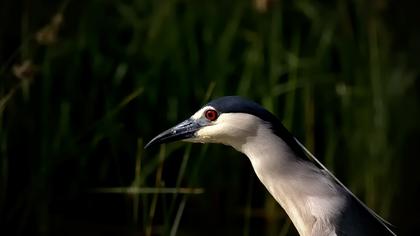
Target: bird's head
x=228, y=120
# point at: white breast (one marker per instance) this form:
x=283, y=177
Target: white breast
x=310, y=198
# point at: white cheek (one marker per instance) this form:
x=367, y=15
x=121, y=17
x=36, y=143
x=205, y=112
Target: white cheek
x=211, y=133
x=230, y=129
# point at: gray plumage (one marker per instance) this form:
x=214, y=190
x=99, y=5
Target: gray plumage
x=317, y=202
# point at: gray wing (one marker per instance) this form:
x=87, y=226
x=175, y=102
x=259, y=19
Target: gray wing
x=357, y=219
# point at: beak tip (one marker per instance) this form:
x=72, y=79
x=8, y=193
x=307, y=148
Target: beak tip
x=149, y=144
x=183, y=130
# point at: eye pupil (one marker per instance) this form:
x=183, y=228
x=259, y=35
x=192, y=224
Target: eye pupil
x=211, y=115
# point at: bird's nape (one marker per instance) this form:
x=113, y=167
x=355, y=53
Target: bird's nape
x=315, y=200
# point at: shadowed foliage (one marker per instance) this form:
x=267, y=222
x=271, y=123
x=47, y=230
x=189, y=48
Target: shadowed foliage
x=85, y=84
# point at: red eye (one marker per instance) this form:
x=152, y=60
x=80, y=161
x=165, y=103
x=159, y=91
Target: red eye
x=211, y=115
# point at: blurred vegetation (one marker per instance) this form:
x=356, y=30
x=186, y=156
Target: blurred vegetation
x=84, y=84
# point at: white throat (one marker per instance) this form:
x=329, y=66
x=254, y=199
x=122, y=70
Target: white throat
x=309, y=197
x=312, y=197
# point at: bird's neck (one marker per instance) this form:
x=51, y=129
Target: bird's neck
x=294, y=183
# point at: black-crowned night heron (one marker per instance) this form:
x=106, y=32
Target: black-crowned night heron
x=317, y=203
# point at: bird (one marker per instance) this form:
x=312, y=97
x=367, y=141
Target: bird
x=317, y=203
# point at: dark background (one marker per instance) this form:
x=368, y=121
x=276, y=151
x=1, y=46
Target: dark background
x=85, y=84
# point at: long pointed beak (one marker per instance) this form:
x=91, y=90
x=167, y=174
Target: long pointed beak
x=183, y=130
